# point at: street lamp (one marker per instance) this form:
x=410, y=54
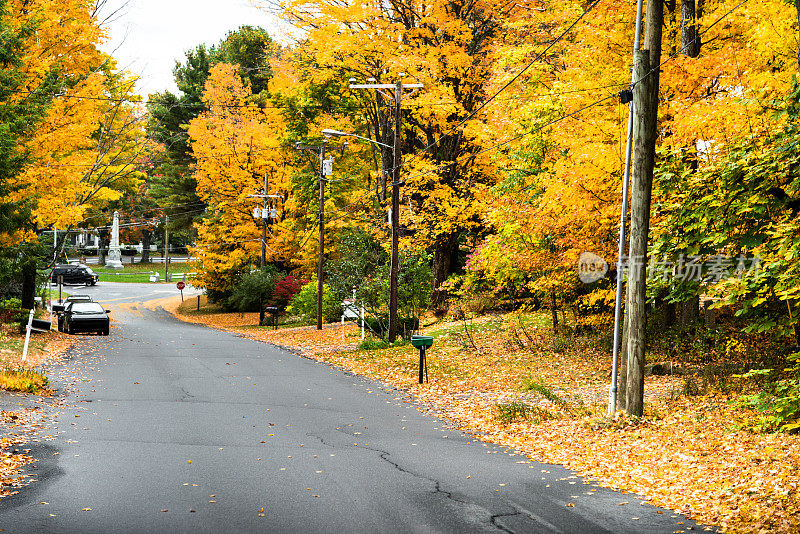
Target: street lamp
x=399, y=87
x=325, y=169
x=337, y=133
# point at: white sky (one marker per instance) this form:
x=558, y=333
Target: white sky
x=148, y=36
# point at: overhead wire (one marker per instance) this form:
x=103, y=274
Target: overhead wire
x=550, y=123
x=504, y=87
x=484, y=104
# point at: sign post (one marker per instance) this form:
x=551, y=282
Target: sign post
x=27, y=336
x=180, y=285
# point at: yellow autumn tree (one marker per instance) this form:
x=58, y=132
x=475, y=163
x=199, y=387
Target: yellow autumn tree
x=236, y=143
x=561, y=196
x=447, y=46
x=85, y=150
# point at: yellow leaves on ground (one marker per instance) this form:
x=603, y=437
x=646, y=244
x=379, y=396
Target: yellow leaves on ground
x=44, y=348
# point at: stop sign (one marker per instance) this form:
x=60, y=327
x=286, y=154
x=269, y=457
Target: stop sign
x=180, y=285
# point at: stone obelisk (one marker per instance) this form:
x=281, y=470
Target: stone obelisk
x=114, y=258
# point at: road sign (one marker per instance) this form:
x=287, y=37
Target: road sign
x=180, y=285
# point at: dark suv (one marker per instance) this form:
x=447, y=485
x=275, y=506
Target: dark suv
x=74, y=274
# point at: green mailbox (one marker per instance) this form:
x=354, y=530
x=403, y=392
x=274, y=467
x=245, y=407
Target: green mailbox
x=422, y=343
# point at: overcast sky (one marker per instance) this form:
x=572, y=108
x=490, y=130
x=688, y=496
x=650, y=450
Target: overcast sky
x=148, y=36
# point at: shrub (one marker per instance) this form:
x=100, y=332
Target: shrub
x=11, y=311
x=372, y=343
x=25, y=381
x=252, y=291
x=779, y=399
x=285, y=290
x=304, y=304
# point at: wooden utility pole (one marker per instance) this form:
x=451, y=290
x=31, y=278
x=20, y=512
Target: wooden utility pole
x=394, y=275
x=264, y=222
x=395, y=259
x=166, y=248
x=321, y=253
x=325, y=169
x=645, y=95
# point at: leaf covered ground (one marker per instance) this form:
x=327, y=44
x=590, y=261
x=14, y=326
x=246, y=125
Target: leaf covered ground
x=515, y=384
x=18, y=423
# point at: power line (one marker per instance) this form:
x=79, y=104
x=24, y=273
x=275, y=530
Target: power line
x=596, y=102
x=506, y=86
x=202, y=106
x=512, y=139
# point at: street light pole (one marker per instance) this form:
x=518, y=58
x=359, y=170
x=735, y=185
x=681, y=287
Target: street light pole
x=395, y=218
x=321, y=252
x=264, y=225
x=395, y=261
x=325, y=169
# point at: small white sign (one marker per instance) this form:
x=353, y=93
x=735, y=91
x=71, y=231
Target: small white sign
x=350, y=310
x=327, y=167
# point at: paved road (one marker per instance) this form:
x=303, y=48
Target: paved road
x=173, y=427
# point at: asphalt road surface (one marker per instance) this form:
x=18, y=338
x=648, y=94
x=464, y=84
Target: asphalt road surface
x=171, y=427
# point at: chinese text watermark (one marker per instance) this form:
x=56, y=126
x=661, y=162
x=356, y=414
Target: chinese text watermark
x=689, y=268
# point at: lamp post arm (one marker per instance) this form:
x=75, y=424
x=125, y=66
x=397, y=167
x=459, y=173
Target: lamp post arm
x=337, y=133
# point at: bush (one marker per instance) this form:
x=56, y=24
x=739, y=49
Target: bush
x=779, y=399
x=128, y=251
x=11, y=311
x=252, y=291
x=22, y=380
x=362, y=256
x=304, y=304
x=285, y=290
x=372, y=343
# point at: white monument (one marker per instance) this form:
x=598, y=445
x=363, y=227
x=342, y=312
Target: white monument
x=114, y=258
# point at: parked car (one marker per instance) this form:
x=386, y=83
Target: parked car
x=86, y=317
x=58, y=307
x=74, y=274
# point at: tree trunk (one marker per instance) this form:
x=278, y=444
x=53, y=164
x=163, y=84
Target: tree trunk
x=443, y=256
x=28, y=284
x=554, y=311
x=102, y=246
x=689, y=311
x=146, y=237
x=672, y=25
x=797, y=8
x=669, y=315
x=101, y=252
x=690, y=37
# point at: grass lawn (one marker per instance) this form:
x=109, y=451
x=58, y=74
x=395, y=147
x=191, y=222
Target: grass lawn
x=138, y=272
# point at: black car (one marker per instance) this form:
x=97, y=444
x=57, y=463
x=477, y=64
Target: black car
x=86, y=317
x=59, y=306
x=74, y=274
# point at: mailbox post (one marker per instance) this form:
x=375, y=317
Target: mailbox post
x=422, y=343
